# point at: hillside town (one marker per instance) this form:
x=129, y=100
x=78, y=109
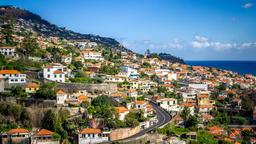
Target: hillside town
x=55, y=90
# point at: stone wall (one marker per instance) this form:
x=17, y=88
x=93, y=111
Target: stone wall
x=103, y=88
x=147, y=138
x=122, y=133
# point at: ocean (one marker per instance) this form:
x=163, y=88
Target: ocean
x=241, y=67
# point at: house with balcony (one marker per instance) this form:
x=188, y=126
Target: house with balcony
x=204, y=104
x=8, y=51
x=92, y=136
x=13, y=76
x=90, y=54
x=169, y=104
x=56, y=72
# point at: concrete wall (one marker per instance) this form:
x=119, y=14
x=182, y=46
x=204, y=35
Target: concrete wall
x=123, y=133
x=103, y=88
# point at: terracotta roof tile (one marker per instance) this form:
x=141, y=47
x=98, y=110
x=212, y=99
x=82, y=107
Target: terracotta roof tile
x=32, y=85
x=18, y=130
x=44, y=132
x=58, y=72
x=90, y=131
x=9, y=72
x=83, y=98
x=121, y=109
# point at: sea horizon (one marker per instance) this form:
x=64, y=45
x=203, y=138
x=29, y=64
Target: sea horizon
x=239, y=66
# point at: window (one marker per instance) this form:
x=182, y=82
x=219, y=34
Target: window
x=55, y=76
x=48, y=70
x=48, y=76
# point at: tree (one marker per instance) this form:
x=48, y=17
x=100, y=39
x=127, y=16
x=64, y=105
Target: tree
x=8, y=30
x=246, y=135
x=25, y=119
x=18, y=92
x=205, y=138
x=185, y=114
x=48, y=121
x=192, y=122
x=29, y=46
x=46, y=91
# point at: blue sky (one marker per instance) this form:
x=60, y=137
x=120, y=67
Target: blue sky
x=191, y=29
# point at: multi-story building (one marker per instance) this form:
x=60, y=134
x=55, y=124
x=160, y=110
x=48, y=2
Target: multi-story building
x=169, y=104
x=90, y=54
x=56, y=72
x=13, y=76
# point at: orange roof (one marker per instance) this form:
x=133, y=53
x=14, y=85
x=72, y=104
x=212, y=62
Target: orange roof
x=58, y=72
x=216, y=130
x=187, y=104
x=205, y=106
x=121, y=109
x=60, y=92
x=140, y=102
x=7, y=47
x=32, y=85
x=167, y=99
x=9, y=72
x=118, y=94
x=90, y=131
x=18, y=130
x=131, y=90
x=44, y=132
x=203, y=95
x=82, y=98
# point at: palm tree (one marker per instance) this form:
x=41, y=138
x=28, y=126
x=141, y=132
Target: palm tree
x=185, y=114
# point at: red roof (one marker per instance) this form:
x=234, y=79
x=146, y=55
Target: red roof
x=90, y=131
x=58, y=72
x=44, y=132
x=18, y=130
x=32, y=85
x=9, y=72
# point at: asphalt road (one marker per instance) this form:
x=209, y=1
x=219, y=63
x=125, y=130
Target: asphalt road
x=163, y=117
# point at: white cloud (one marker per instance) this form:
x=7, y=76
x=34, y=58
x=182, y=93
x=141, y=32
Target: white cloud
x=248, y=5
x=248, y=45
x=204, y=42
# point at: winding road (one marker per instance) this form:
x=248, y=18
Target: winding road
x=163, y=117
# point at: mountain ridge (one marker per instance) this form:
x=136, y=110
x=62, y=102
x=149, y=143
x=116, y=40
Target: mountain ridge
x=44, y=27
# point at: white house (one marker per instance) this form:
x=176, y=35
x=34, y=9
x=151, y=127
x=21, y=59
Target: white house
x=7, y=51
x=13, y=76
x=201, y=87
x=169, y=104
x=90, y=54
x=140, y=104
x=129, y=72
x=55, y=72
x=114, y=79
x=132, y=93
x=67, y=59
x=92, y=136
x=172, y=76
x=61, y=96
x=122, y=112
